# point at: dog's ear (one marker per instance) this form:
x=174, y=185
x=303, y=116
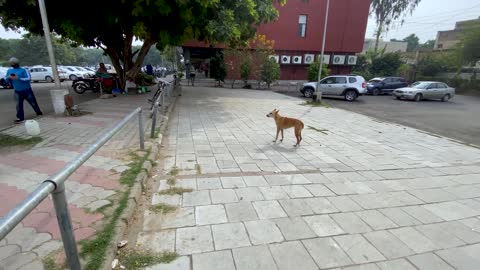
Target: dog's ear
x=277, y=110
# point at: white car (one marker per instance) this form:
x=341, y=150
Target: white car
x=348, y=86
x=41, y=73
x=75, y=72
x=425, y=90
x=3, y=82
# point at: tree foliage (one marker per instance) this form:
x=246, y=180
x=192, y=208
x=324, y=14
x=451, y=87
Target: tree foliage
x=113, y=25
x=218, y=70
x=313, y=71
x=429, y=44
x=386, y=64
x=469, y=48
x=431, y=65
x=388, y=11
x=412, y=42
x=270, y=71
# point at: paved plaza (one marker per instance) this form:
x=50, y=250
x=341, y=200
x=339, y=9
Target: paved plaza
x=358, y=193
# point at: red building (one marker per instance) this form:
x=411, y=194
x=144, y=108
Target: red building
x=298, y=34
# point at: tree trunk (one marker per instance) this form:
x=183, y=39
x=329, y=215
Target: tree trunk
x=377, y=36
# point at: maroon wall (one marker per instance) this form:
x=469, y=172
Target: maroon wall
x=347, y=23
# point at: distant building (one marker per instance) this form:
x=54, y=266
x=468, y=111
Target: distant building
x=448, y=39
x=298, y=34
x=389, y=46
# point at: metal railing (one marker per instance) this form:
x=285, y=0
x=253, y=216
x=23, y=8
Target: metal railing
x=160, y=101
x=55, y=184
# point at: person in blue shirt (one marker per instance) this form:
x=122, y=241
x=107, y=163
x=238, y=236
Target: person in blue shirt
x=20, y=79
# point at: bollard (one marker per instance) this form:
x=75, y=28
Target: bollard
x=141, y=131
x=63, y=218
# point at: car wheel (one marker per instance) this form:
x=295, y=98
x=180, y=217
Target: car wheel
x=397, y=97
x=376, y=92
x=80, y=88
x=350, y=95
x=72, y=77
x=418, y=97
x=308, y=93
x=446, y=98
x=49, y=79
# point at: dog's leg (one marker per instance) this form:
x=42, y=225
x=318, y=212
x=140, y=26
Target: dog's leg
x=281, y=140
x=276, y=138
x=298, y=135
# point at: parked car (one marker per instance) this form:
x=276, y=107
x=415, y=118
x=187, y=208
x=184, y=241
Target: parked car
x=382, y=85
x=74, y=73
x=3, y=83
x=425, y=90
x=348, y=86
x=41, y=73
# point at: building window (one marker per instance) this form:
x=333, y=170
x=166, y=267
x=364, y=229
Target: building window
x=440, y=46
x=302, y=25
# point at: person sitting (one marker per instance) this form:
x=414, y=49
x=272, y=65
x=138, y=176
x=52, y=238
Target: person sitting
x=102, y=72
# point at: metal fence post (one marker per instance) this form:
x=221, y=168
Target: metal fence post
x=65, y=225
x=141, y=131
x=154, y=120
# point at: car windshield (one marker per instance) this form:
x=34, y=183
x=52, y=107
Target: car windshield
x=374, y=81
x=420, y=85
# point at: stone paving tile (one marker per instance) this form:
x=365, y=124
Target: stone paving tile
x=253, y=258
x=433, y=195
x=320, y=246
x=388, y=244
x=414, y=240
x=461, y=231
x=157, y=241
x=249, y=194
x=451, y=210
x=400, y=264
x=294, y=228
x=181, y=263
x=269, y=209
x=292, y=256
x=345, y=204
x=223, y=196
x=230, y=235
x=296, y=207
x=296, y=191
x=422, y=214
x=210, y=214
x=464, y=258
x=358, y=249
x=255, y=181
x=193, y=240
x=218, y=260
x=208, y=183
x=317, y=178
x=369, y=266
x=376, y=220
x=242, y=211
x=196, y=198
x=440, y=237
x=273, y=193
x=263, y=232
x=400, y=217
x=232, y=182
x=428, y=261
x=321, y=205
x=323, y=225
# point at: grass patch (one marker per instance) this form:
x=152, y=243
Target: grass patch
x=133, y=259
x=315, y=104
x=162, y=208
x=94, y=250
x=49, y=264
x=9, y=140
x=318, y=129
x=175, y=191
x=174, y=171
x=171, y=181
x=198, y=168
x=156, y=133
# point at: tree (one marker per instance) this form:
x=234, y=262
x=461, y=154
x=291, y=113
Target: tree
x=270, y=71
x=313, y=71
x=218, y=69
x=469, y=48
x=431, y=66
x=429, y=44
x=387, y=11
x=246, y=69
x=113, y=25
x=386, y=64
x=413, y=42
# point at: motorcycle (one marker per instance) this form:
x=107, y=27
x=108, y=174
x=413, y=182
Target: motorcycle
x=80, y=85
x=5, y=84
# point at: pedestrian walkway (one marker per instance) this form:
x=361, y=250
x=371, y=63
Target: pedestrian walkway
x=357, y=194
x=91, y=187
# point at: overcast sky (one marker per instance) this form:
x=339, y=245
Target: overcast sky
x=429, y=17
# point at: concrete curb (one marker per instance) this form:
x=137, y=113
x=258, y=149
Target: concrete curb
x=137, y=190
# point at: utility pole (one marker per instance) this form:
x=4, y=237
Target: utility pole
x=318, y=92
x=57, y=94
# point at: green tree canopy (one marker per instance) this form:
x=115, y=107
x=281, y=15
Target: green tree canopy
x=429, y=44
x=113, y=25
x=469, y=48
x=387, y=11
x=413, y=42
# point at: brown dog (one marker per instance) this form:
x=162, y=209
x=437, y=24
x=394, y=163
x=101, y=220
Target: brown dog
x=284, y=123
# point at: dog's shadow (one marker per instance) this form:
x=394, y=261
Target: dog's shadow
x=282, y=147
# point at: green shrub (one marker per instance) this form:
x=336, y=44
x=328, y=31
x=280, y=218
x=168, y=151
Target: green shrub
x=313, y=71
x=270, y=71
x=144, y=79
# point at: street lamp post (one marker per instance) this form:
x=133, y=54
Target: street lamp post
x=318, y=92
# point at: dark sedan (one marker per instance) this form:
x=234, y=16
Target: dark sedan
x=382, y=85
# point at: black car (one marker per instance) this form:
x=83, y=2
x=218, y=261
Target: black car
x=382, y=85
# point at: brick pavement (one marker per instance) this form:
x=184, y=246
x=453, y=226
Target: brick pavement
x=89, y=188
x=362, y=194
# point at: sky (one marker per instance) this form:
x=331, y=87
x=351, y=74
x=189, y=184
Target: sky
x=429, y=17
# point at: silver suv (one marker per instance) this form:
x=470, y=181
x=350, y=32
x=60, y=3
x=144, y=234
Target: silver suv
x=348, y=86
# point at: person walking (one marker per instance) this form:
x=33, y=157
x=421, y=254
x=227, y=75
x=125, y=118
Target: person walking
x=20, y=79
